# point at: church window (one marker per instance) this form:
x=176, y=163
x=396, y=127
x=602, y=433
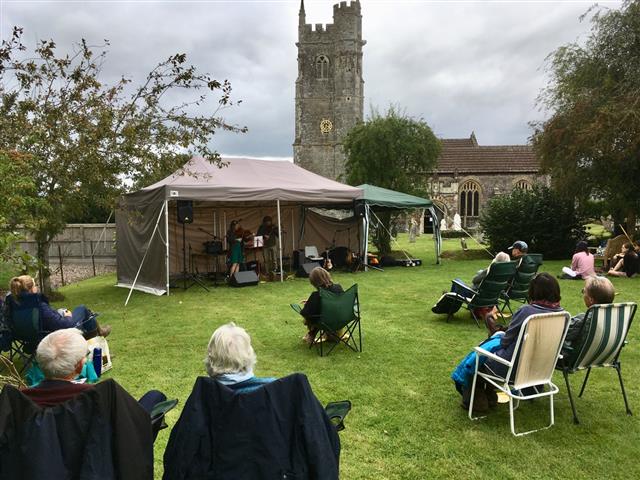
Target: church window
x=523, y=184
x=469, y=199
x=322, y=66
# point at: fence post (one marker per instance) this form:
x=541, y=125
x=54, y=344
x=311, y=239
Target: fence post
x=60, y=259
x=93, y=258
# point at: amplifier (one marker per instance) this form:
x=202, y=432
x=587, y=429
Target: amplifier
x=213, y=247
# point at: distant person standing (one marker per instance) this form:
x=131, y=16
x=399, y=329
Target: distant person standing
x=236, y=251
x=269, y=233
x=582, y=264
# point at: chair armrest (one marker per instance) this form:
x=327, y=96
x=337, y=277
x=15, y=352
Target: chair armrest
x=488, y=354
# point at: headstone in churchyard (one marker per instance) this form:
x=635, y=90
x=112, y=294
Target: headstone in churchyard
x=412, y=230
x=443, y=225
x=457, y=222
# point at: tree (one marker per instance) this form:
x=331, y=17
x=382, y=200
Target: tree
x=393, y=151
x=541, y=217
x=87, y=139
x=591, y=143
x=17, y=198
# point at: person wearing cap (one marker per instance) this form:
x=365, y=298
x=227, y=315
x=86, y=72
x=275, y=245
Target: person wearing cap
x=518, y=249
x=582, y=263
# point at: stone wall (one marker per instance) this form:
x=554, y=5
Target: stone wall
x=445, y=190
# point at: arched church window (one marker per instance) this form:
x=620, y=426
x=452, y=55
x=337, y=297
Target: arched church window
x=469, y=199
x=523, y=184
x=322, y=66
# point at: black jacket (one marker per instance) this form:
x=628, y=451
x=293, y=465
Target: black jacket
x=102, y=433
x=279, y=431
x=312, y=308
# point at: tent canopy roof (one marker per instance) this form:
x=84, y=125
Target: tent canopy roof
x=252, y=180
x=383, y=197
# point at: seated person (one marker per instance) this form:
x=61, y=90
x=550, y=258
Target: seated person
x=61, y=356
x=582, y=264
x=597, y=290
x=320, y=279
x=230, y=359
x=518, y=249
x=243, y=426
x=459, y=286
x=544, y=297
x=25, y=295
x=629, y=263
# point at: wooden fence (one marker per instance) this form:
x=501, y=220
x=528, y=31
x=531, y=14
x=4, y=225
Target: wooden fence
x=79, y=243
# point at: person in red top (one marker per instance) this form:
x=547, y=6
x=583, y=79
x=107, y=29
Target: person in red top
x=61, y=356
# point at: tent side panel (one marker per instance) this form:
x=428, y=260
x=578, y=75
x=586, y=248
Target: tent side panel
x=323, y=232
x=136, y=218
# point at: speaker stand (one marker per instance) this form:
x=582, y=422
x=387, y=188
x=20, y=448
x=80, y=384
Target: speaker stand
x=188, y=279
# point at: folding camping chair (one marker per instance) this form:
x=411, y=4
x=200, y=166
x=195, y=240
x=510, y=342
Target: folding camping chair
x=27, y=333
x=518, y=288
x=531, y=366
x=311, y=254
x=604, y=333
x=339, y=317
x=488, y=291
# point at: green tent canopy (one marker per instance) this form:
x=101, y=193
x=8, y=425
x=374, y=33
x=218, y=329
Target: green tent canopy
x=385, y=198
x=380, y=199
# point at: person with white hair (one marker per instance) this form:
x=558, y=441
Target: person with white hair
x=231, y=359
x=61, y=356
x=458, y=286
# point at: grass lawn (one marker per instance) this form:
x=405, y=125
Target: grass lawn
x=406, y=421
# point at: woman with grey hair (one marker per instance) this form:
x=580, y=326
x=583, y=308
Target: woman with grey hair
x=231, y=359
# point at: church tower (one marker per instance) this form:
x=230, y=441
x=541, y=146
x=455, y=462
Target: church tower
x=329, y=88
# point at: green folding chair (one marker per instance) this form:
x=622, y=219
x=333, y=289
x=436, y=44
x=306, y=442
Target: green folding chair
x=518, y=289
x=603, y=335
x=489, y=290
x=338, y=321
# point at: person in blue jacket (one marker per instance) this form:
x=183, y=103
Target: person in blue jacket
x=544, y=297
x=25, y=296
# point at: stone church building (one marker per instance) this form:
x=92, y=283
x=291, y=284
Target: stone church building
x=330, y=101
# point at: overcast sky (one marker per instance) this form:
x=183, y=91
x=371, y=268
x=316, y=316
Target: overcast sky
x=461, y=66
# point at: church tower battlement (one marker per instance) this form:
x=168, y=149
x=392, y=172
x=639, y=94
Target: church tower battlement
x=329, y=88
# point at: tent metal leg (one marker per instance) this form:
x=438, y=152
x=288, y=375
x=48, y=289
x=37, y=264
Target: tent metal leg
x=166, y=236
x=280, y=242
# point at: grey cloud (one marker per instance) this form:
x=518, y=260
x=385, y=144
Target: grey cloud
x=460, y=66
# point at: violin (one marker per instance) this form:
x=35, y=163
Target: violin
x=245, y=235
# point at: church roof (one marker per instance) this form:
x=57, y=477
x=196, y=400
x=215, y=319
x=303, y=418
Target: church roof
x=464, y=155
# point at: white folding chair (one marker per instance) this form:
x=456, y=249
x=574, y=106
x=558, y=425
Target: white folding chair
x=101, y=342
x=311, y=253
x=531, y=366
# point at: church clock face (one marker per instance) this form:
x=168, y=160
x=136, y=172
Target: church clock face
x=325, y=125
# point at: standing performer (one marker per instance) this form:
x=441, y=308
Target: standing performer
x=234, y=240
x=269, y=233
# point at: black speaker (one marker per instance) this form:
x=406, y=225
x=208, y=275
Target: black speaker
x=247, y=278
x=358, y=209
x=185, y=211
x=305, y=269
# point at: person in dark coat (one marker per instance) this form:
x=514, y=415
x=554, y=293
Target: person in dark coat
x=279, y=430
x=25, y=296
x=320, y=279
x=92, y=432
